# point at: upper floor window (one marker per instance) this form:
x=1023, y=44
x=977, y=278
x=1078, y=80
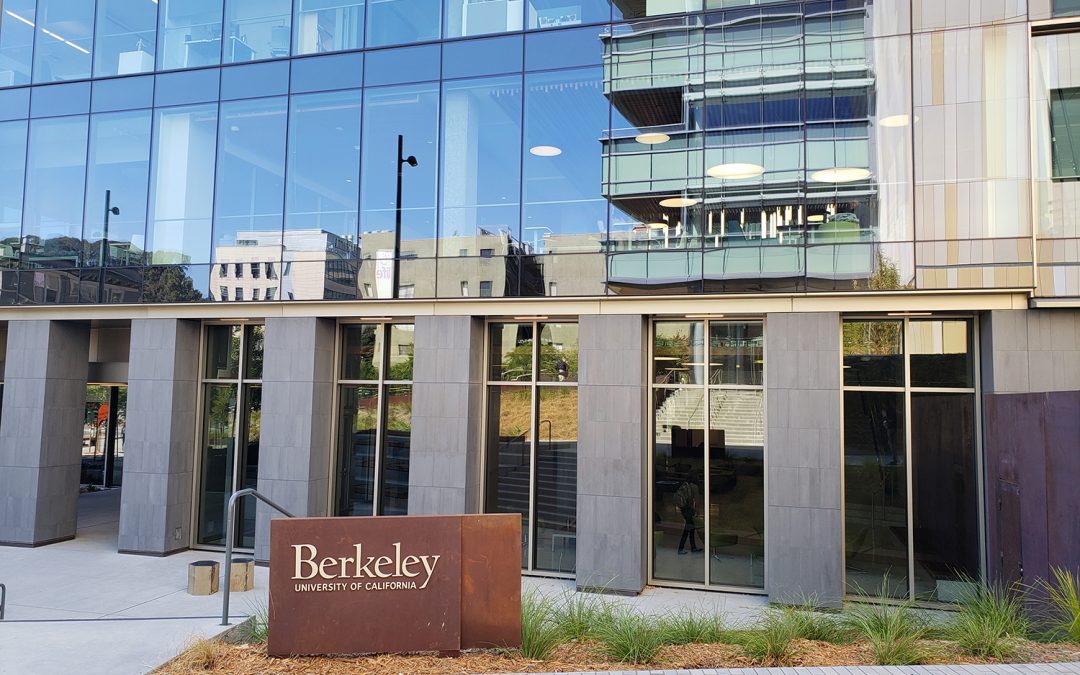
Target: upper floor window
x=1065, y=7
x=1065, y=132
x=125, y=37
x=328, y=26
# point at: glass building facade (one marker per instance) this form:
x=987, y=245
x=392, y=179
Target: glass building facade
x=723, y=294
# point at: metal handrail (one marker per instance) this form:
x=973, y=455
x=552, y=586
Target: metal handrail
x=3, y=600
x=230, y=534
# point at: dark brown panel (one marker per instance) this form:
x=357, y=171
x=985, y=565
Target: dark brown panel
x=491, y=581
x=1063, y=478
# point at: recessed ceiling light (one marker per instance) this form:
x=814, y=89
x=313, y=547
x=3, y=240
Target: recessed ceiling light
x=896, y=120
x=658, y=226
x=736, y=171
x=678, y=202
x=545, y=151
x=840, y=175
x=815, y=219
x=652, y=138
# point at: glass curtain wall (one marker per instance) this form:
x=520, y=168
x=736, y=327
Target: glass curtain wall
x=126, y=37
x=232, y=417
x=708, y=482
x=911, y=462
x=328, y=26
x=531, y=440
x=374, y=419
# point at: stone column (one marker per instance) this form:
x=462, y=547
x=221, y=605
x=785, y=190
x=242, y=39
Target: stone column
x=447, y=438
x=613, y=414
x=804, y=526
x=297, y=419
x=41, y=431
x=159, y=443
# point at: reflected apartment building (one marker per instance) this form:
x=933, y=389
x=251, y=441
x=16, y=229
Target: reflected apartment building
x=772, y=297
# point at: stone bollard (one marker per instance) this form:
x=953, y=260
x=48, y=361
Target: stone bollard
x=242, y=575
x=202, y=577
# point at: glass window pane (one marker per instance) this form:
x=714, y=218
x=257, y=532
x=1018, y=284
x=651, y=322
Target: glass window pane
x=335, y=71
x=358, y=417
x=14, y=104
x=565, y=211
x=193, y=86
x=404, y=64
x=124, y=93
x=250, y=181
x=941, y=354
x=65, y=40
x=60, y=99
x=182, y=184
x=557, y=13
x=328, y=26
x=508, y=462
x=394, y=22
x=946, y=501
x=255, y=80
x=1065, y=132
x=736, y=488
x=190, y=33
x=12, y=168
x=126, y=34
x=402, y=337
x=410, y=112
x=736, y=353
x=558, y=352
x=511, y=352
x=324, y=167
x=253, y=352
x=249, y=464
x=679, y=352
x=491, y=56
x=875, y=493
x=52, y=228
x=481, y=166
x=479, y=18
x=257, y=29
x=219, y=445
x=873, y=354
x=222, y=352
x=361, y=349
x=119, y=164
x=16, y=42
x=679, y=485
x=556, y=480
x=397, y=435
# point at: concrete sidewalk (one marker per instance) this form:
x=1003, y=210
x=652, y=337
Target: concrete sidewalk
x=81, y=607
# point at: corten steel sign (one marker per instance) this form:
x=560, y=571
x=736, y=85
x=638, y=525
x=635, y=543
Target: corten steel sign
x=394, y=584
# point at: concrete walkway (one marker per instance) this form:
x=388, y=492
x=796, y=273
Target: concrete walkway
x=1026, y=669
x=80, y=607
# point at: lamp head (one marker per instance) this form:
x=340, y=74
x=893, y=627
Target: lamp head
x=115, y=210
x=411, y=160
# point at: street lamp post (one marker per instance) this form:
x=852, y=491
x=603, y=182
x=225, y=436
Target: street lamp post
x=110, y=210
x=401, y=162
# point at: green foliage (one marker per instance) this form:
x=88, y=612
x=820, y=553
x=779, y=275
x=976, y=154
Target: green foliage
x=811, y=624
x=581, y=615
x=691, y=627
x=259, y=626
x=169, y=284
x=1063, y=595
x=893, y=629
x=990, y=622
x=771, y=640
x=630, y=637
x=540, y=633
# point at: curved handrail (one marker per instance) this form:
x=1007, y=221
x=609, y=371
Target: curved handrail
x=230, y=535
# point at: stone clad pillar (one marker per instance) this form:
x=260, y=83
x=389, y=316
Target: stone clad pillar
x=448, y=394
x=41, y=431
x=297, y=419
x=159, y=443
x=804, y=526
x=612, y=449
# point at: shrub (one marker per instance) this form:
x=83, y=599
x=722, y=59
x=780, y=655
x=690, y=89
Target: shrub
x=691, y=627
x=989, y=623
x=199, y=654
x=771, y=639
x=581, y=615
x=893, y=630
x=540, y=633
x=630, y=637
x=1064, y=599
x=811, y=624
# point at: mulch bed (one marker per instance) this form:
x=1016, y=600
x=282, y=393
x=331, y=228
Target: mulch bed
x=219, y=657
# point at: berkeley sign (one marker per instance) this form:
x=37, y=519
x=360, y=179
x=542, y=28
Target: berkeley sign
x=394, y=584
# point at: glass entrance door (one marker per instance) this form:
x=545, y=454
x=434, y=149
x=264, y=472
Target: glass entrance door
x=232, y=415
x=104, y=425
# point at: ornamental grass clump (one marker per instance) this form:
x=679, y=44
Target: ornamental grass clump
x=691, y=627
x=630, y=637
x=990, y=622
x=771, y=641
x=540, y=634
x=581, y=615
x=893, y=629
x=1063, y=595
